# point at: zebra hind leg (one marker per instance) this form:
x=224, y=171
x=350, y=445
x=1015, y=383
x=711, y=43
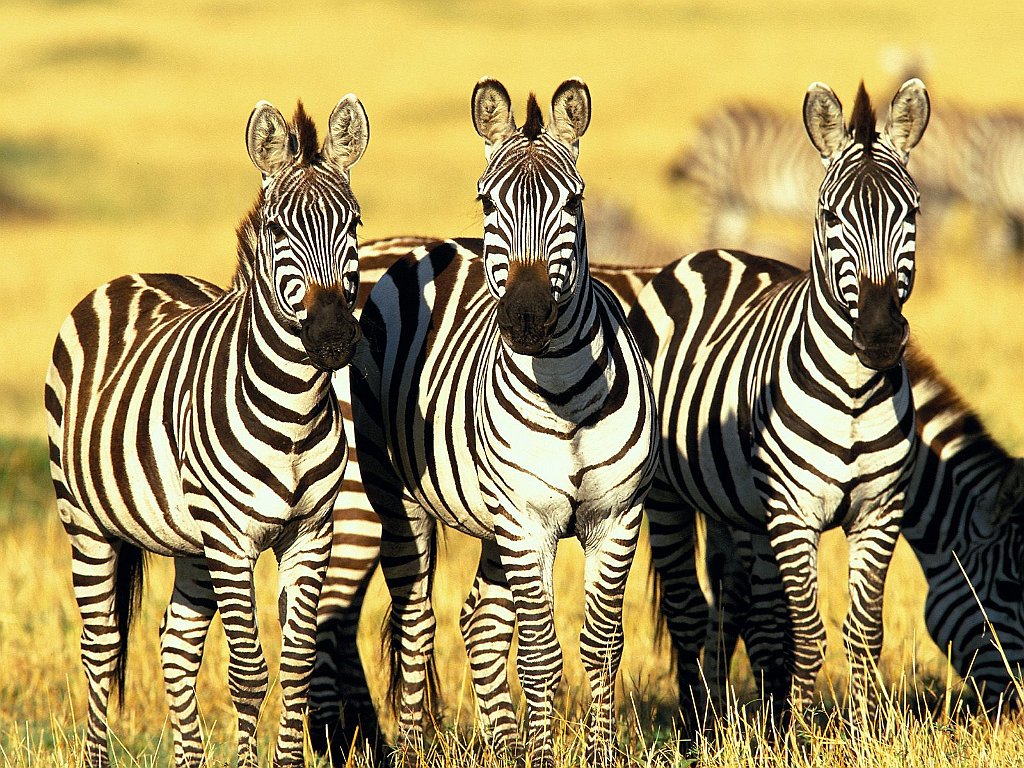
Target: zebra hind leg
x=682, y=603
x=407, y=556
x=182, y=638
x=341, y=708
x=302, y=565
x=94, y=571
x=609, y=555
x=487, y=623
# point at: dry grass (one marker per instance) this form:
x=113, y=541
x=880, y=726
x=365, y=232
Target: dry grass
x=122, y=133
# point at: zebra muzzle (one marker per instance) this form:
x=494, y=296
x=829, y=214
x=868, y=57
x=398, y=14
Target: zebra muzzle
x=881, y=332
x=527, y=312
x=329, y=331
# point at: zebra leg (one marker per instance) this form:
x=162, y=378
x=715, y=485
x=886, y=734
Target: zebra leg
x=407, y=559
x=727, y=560
x=673, y=555
x=528, y=556
x=766, y=625
x=796, y=553
x=93, y=571
x=338, y=691
x=302, y=564
x=182, y=638
x=232, y=579
x=487, y=622
x=871, y=550
x=609, y=554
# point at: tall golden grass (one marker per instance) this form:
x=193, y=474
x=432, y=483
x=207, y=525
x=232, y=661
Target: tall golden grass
x=121, y=136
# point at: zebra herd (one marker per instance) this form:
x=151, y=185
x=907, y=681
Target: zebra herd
x=510, y=389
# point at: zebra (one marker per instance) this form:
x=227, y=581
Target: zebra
x=502, y=395
x=784, y=404
x=964, y=522
x=199, y=423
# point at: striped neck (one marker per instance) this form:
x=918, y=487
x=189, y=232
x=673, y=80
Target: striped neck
x=274, y=360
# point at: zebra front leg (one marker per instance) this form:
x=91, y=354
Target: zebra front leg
x=182, y=637
x=871, y=550
x=609, y=553
x=302, y=564
x=487, y=623
x=681, y=600
x=231, y=574
x=93, y=574
x=338, y=693
x=796, y=553
x=527, y=557
x=407, y=559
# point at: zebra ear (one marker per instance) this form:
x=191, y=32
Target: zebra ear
x=269, y=141
x=492, y=113
x=908, y=117
x=570, y=112
x=823, y=119
x=348, y=133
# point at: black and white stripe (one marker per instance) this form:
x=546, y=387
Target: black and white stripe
x=784, y=402
x=200, y=424
x=964, y=521
x=504, y=396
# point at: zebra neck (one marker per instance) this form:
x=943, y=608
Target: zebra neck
x=579, y=354
x=275, y=369
x=826, y=336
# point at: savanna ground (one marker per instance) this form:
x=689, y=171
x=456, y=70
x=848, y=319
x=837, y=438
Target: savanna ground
x=121, y=150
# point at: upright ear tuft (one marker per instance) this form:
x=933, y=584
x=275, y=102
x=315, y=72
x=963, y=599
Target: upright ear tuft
x=908, y=117
x=268, y=139
x=348, y=133
x=823, y=119
x=492, y=113
x=570, y=112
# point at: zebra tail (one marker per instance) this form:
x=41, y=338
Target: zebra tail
x=128, y=585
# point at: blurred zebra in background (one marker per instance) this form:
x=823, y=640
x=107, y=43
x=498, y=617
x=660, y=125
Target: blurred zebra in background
x=964, y=521
x=504, y=397
x=749, y=160
x=200, y=424
x=785, y=406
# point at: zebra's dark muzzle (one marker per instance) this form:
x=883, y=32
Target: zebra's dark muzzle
x=329, y=331
x=527, y=312
x=881, y=332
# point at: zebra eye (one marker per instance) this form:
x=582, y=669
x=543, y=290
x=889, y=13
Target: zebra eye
x=353, y=225
x=831, y=220
x=276, y=231
x=573, y=204
x=486, y=203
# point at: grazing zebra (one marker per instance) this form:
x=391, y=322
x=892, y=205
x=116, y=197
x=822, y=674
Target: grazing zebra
x=200, y=424
x=964, y=521
x=503, y=396
x=784, y=401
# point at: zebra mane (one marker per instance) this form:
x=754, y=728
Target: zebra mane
x=862, y=119
x=304, y=133
x=921, y=368
x=534, y=119
x=247, y=246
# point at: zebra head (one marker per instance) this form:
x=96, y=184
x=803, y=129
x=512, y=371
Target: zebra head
x=306, y=222
x=865, y=228
x=532, y=197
